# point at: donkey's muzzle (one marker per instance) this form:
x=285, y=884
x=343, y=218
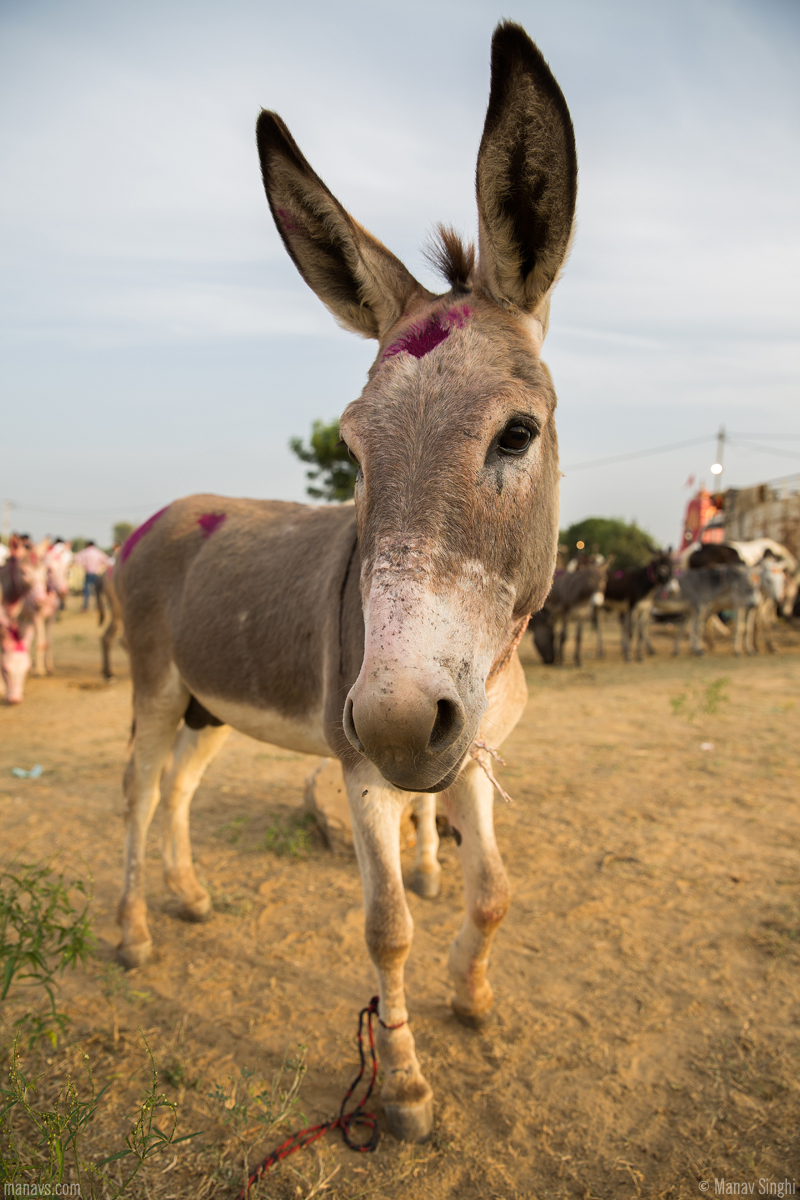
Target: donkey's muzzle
x=416, y=741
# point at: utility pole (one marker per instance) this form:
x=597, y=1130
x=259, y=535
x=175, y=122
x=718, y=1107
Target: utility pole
x=719, y=463
x=5, y=526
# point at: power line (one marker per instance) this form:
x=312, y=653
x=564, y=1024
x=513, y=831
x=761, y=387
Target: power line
x=734, y=438
x=737, y=441
x=85, y=512
x=618, y=458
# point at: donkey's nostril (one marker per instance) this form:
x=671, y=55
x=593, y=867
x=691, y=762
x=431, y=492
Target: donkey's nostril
x=350, y=726
x=447, y=726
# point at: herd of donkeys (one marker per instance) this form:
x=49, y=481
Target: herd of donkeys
x=747, y=583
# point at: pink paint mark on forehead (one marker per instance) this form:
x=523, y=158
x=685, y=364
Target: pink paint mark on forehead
x=426, y=335
x=210, y=522
x=137, y=535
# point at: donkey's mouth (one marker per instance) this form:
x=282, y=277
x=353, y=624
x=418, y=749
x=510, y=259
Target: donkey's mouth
x=416, y=776
x=416, y=758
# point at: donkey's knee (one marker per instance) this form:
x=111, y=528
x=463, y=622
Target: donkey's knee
x=389, y=932
x=489, y=908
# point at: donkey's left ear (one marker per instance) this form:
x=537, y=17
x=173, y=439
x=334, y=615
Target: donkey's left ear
x=526, y=178
x=366, y=288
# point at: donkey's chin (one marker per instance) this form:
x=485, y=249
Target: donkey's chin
x=415, y=773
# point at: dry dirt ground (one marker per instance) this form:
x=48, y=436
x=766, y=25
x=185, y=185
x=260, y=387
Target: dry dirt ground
x=647, y=1016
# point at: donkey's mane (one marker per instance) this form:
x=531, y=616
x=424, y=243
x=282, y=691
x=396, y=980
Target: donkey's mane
x=451, y=257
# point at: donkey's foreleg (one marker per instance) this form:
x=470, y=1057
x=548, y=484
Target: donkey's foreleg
x=376, y=810
x=157, y=719
x=643, y=628
x=700, y=615
x=469, y=806
x=192, y=752
x=48, y=642
x=427, y=875
x=598, y=629
x=625, y=634
x=40, y=626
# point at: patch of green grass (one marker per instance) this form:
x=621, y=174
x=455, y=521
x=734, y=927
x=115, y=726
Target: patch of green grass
x=700, y=701
x=292, y=838
x=232, y=830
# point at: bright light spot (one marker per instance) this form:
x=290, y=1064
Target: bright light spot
x=716, y=469
x=580, y=545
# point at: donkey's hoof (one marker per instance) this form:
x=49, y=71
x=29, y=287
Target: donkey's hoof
x=410, y=1122
x=472, y=1020
x=426, y=883
x=197, y=912
x=134, y=956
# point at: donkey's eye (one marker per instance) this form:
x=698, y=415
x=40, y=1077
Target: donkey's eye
x=350, y=455
x=515, y=438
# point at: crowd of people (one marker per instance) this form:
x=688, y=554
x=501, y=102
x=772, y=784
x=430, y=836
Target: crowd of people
x=90, y=558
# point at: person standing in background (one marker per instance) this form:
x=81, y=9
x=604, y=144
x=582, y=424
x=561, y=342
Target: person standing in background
x=94, y=562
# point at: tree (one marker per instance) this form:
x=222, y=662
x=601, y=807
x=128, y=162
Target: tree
x=120, y=531
x=629, y=544
x=332, y=467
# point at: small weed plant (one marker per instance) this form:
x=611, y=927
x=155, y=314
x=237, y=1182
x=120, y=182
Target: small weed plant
x=254, y=1107
x=40, y=1142
x=115, y=986
x=42, y=933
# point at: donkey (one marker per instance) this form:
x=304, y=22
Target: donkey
x=577, y=595
x=16, y=621
x=383, y=633
x=632, y=594
x=710, y=590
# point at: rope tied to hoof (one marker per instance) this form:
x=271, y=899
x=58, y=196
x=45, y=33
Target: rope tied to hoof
x=345, y=1121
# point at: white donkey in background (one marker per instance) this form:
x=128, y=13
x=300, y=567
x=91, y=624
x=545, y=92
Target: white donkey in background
x=386, y=633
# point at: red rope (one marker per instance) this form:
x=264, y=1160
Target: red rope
x=345, y=1120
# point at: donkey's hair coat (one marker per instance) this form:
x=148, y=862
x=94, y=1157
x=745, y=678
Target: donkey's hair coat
x=383, y=633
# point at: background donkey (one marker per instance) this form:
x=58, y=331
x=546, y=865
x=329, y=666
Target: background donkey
x=383, y=633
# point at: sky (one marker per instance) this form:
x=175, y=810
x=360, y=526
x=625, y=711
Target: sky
x=156, y=340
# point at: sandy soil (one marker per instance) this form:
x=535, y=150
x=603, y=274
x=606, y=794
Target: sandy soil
x=647, y=1013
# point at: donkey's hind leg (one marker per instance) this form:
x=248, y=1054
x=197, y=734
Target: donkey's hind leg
x=427, y=875
x=469, y=806
x=191, y=754
x=157, y=719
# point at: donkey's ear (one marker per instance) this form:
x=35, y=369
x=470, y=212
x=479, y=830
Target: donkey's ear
x=366, y=288
x=526, y=178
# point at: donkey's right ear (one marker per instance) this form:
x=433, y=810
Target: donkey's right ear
x=366, y=288
x=526, y=178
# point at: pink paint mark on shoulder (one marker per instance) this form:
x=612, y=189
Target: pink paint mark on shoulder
x=137, y=535
x=210, y=522
x=426, y=335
